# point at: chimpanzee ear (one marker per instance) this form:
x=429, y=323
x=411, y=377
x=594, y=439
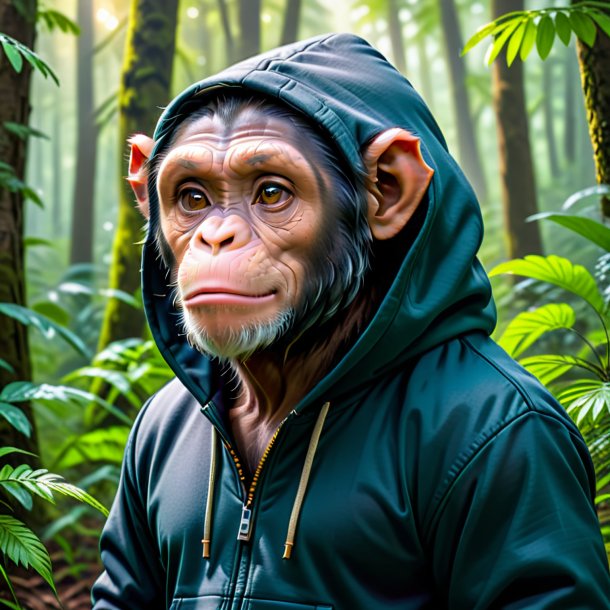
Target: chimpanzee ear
x=398, y=179
x=141, y=149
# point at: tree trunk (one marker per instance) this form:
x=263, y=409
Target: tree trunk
x=424, y=72
x=569, y=121
x=14, y=106
x=226, y=26
x=594, y=65
x=516, y=168
x=468, y=151
x=395, y=29
x=549, y=125
x=249, y=27
x=83, y=204
x=144, y=88
x=291, y=21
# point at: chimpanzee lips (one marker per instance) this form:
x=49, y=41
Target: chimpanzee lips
x=222, y=295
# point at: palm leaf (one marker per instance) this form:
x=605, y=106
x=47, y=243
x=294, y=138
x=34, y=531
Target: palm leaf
x=592, y=230
x=24, y=548
x=558, y=271
x=548, y=367
x=586, y=397
x=527, y=327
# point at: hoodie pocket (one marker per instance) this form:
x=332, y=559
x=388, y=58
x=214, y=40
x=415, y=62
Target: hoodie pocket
x=217, y=602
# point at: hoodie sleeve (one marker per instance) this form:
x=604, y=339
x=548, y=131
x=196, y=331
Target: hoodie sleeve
x=133, y=577
x=517, y=528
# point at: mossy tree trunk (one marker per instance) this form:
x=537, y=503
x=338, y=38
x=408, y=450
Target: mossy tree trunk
x=144, y=88
x=15, y=107
x=468, y=150
x=594, y=65
x=516, y=167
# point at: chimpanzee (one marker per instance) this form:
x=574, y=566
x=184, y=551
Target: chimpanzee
x=342, y=432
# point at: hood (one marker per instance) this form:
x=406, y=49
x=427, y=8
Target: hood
x=440, y=290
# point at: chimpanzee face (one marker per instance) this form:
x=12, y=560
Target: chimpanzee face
x=249, y=217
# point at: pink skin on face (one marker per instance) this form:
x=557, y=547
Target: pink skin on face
x=240, y=210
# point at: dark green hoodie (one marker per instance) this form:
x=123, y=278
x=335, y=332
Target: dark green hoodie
x=444, y=475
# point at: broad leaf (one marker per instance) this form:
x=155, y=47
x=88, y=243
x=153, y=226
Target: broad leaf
x=16, y=418
x=564, y=29
x=15, y=58
x=482, y=33
x=558, y=271
x=548, y=367
x=500, y=41
x=117, y=379
x=514, y=44
x=24, y=548
x=526, y=328
x=583, y=26
x=37, y=241
x=47, y=327
x=6, y=366
x=7, y=450
x=545, y=36
x=52, y=311
x=592, y=230
x=602, y=20
x=24, y=131
x=590, y=191
x=104, y=445
x=529, y=38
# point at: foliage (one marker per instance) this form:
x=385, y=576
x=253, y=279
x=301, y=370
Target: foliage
x=16, y=52
x=519, y=31
x=580, y=380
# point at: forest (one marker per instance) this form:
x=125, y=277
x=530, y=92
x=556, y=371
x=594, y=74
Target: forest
x=521, y=92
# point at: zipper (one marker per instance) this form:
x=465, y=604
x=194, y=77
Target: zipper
x=245, y=525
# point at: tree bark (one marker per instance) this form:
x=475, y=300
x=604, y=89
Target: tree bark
x=594, y=65
x=249, y=27
x=14, y=106
x=144, y=88
x=468, y=151
x=398, y=46
x=291, y=21
x=516, y=168
x=549, y=125
x=83, y=203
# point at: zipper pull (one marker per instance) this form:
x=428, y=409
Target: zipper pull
x=245, y=525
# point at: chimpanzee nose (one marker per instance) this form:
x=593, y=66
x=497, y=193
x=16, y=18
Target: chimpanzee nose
x=224, y=233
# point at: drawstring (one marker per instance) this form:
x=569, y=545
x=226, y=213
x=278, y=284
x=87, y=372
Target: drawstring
x=298, y=501
x=207, y=527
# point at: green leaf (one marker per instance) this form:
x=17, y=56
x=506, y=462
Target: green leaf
x=500, y=41
x=115, y=378
x=592, y=230
x=13, y=55
x=24, y=548
x=564, y=29
x=583, y=26
x=52, y=311
x=545, y=36
x=6, y=366
x=548, y=367
x=587, y=397
x=558, y=271
x=526, y=328
x=55, y=19
x=23, y=131
x=514, y=44
x=37, y=241
x=483, y=32
x=25, y=479
x=121, y=295
x=7, y=450
x=66, y=489
x=602, y=20
x=48, y=328
x=529, y=38
x=20, y=391
x=7, y=580
x=103, y=445
x=16, y=418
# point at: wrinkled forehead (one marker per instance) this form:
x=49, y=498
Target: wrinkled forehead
x=249, y=123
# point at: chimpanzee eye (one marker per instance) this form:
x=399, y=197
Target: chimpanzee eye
x=192, y=199
x=272, y=194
